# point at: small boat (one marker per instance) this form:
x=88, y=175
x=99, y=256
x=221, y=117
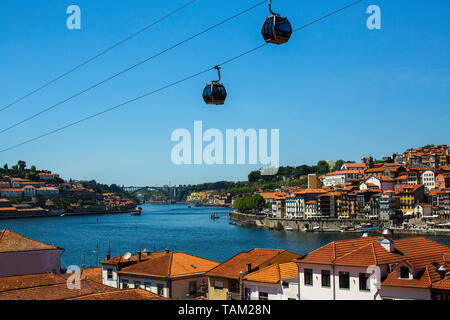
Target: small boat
x=287, y=228
x=215, y=216
x=136, y=212
x=233, y=223
x=62, y=215
x=316, y=228
x=189, y=207
x=305, y=229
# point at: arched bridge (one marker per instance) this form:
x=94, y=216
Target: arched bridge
x=174, y=193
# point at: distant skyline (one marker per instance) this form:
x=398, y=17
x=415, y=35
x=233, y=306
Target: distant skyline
x=337, y=90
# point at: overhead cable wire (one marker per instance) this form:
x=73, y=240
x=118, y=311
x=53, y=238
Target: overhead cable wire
x=131, y=67
x=171, y=84
x=82, y=64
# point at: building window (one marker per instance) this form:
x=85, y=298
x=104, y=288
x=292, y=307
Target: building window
x=263, y=296
x=109, y=274
x=148, y=286
x=124, y=284
x=218, y=285
x=326, y=279
x=160, y=288
x=364, y=282
x=404, y=273
x=285, y=284
x=192, y=287
x=344, y=280
x=137, y=284
x=308, y=277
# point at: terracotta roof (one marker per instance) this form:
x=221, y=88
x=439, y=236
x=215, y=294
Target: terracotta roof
x=12, y=242
x=344, y=172
x=94, y=274
x=272, y=195
x=28, y=281
x=423, y=278
x=368, y=251
x=274, y=273
x=125, y=294
x=443, y=284
x=256, y=257
x=355, y=165
x=58, y=291
x=121, y=260
x=170, y=265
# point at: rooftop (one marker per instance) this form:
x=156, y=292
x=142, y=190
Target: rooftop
x=274, y=273
x=13, y=242
x=256, y=257
x=171, y=265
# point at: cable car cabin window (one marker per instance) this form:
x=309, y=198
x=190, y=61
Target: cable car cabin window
x=267, y=29
x=219, y=92
x=283, y=27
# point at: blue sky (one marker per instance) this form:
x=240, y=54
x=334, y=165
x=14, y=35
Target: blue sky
x=336, y=90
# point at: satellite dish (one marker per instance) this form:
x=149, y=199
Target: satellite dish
x=127, y=256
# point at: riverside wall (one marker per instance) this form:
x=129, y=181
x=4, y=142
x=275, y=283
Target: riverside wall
x=329, y=223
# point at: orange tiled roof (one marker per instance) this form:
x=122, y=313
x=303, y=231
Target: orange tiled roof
x=274, y=273
x=55, y=291
x=170, y=265
x=424, y=278
x=124, y=294
x=443, y=284
x=29, y=281
x=272, y=195
x=368, y=251
x=256, y=257
x=11, y=242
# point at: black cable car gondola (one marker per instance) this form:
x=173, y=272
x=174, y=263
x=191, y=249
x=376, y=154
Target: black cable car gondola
x=276, y=29
x=214, y=92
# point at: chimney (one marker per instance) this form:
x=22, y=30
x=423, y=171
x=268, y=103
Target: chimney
x=167, y=250
x=249, y=267
x=108, y=256
x=138, y=256
x=388, y=244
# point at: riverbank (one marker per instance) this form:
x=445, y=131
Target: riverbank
x=60, y=213
x=323, y=225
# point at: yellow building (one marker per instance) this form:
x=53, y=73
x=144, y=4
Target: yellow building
x=225, y=280
x=408, y=196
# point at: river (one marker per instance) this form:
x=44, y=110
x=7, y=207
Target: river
x=160, y=226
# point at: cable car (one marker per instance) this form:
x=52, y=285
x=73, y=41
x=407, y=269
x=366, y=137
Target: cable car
x=214, y=92
x=276, y=29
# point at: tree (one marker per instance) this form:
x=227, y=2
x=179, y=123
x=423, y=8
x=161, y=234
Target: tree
x=322, y=167
x=338, y=165
x=5, y=166
x=22, y=165
x=254, y=176
x=33, y=169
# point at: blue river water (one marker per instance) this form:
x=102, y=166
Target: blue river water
x=174, y=226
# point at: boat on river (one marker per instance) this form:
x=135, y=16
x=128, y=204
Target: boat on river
x=287, y=228
x=136, y=212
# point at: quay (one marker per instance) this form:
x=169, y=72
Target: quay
x=322, y=225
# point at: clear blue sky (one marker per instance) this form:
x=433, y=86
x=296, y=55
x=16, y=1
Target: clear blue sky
x=336, y=91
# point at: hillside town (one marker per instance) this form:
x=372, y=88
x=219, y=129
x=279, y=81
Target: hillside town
x=41, y=193
x=398, y=188
x=365, y=268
